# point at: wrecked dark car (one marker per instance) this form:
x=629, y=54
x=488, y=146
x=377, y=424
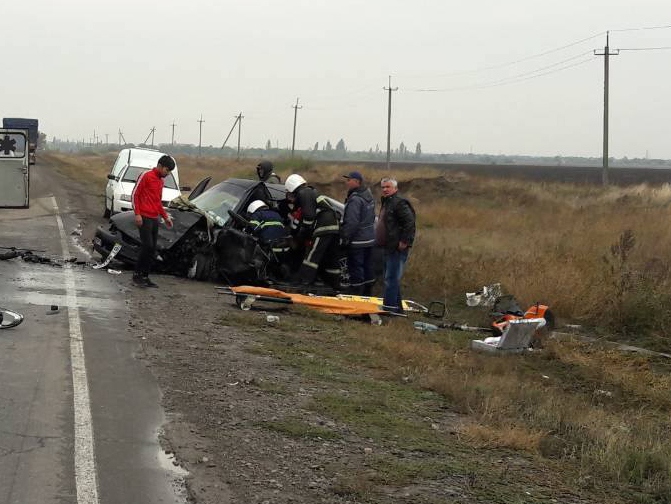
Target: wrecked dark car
x=208, y=239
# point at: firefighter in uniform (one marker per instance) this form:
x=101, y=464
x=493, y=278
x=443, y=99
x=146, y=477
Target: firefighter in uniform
x=318, y=230
x=266, y=224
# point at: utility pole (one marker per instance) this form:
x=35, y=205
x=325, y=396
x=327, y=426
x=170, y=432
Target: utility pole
x=172, y=141
x=229, y=133
x=390, y=89
x=293, y=141
x=107, y=138
x=121, y=138
x=200, y=133
x=606, y=53
x=153, y=129
x=240, y=116
x=151, y=133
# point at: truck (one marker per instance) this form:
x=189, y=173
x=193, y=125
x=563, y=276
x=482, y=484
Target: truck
x=30, y=125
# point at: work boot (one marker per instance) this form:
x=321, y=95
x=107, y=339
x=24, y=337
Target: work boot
x=149, y=283
x=139, y=281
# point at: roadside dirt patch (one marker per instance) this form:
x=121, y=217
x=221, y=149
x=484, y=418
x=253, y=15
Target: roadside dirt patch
x=286, y=413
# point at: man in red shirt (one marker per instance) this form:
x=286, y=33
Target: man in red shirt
x=147, y=206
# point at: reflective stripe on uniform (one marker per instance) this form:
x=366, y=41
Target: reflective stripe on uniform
x=271, y=224
x=308, y=259
x=334, y=227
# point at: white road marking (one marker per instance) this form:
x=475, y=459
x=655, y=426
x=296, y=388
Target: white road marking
x=86, y=477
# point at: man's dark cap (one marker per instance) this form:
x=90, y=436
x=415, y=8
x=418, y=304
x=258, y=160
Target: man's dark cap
x=354, y=175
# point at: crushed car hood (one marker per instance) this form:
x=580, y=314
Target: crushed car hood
x=182, y=221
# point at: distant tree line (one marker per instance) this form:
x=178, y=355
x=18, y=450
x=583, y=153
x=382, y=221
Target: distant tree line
x=340, y=152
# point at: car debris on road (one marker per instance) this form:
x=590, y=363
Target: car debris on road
x=9, y=318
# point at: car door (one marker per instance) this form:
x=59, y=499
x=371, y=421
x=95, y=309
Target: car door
x=113, y=177
x=200, y=188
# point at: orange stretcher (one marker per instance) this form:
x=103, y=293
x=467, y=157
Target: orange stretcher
x=246, y=295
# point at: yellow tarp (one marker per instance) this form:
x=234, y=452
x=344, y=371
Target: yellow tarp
x=325, y=304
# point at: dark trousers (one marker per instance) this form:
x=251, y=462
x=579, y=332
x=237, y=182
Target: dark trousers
x=148, y=237
x=360, y=268
x=323, y=259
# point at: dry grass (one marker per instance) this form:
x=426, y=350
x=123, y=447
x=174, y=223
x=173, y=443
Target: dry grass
x=600, y=411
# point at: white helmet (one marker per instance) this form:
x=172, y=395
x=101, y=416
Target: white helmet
x=255, y=205
x=293, y=182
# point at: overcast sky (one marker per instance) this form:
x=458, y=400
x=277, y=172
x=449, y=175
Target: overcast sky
x=481, y=76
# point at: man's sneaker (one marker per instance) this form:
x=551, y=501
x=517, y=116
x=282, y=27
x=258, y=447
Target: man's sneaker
x=149, y=283
x=139, y=281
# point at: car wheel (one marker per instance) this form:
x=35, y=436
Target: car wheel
x=200, y=268
x=107, y=212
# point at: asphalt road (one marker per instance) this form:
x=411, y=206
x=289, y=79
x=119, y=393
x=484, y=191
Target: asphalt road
x=79, y=414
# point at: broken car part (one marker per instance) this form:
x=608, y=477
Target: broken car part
x=9, y=318
x=115, y=250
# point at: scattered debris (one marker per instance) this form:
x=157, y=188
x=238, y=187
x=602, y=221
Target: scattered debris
x=424, y=326
x=486, y=297
x=516, y=337
x=53, y=310
x=115, y=250
x=506, y=309
x=9, y=318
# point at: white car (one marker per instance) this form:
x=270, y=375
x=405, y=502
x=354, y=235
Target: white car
x=129, y=165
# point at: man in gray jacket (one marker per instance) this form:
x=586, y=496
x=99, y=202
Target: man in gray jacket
x=357, y=234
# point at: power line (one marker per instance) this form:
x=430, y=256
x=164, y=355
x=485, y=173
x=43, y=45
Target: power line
x=515, y=62
x=646, y=48
x=663, y=27
x=532, y=74
x=586, y=60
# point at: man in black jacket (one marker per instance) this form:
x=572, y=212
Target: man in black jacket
x=357, y=234
x=396, y=233
x=265, y=171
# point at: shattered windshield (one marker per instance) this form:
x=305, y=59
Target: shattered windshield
x=133, y=172
x=218, y=200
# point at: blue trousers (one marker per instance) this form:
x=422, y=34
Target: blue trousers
x=394, y=264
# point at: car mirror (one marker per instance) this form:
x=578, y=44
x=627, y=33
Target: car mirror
x=185, y=188
x=111, y=177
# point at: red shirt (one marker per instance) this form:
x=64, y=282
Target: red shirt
x=147, y=194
